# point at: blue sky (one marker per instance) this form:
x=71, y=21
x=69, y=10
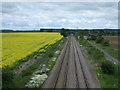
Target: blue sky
x=36, y=15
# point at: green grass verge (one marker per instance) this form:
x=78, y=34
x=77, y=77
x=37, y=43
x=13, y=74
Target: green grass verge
x=106, y=80
x=111, y=49
x=19, y=80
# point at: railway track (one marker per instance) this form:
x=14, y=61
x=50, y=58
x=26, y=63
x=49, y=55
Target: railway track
x=71, y=70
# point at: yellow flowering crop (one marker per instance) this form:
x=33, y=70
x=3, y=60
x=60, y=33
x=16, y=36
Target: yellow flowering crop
x=16, y=46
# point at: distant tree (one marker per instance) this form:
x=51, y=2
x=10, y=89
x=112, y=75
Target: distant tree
x=105, y=42
x=92, y=37
x=50, y=30
x=41, y=30
x=64, y=32
x=101, y=32
x=99, y=39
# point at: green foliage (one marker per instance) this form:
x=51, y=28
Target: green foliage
x=50, y=54
x=19, y=80
x=107, y=73
x=105, y=42
x=103, y=32
x=64, y=32
x=100, y=33
x=107, y=67
x=41, y=30
x=95, y=53
x=28, y=72
x=99, y=39
x=112, y=50
x=7, y=77
x=107, y=80
x=83, y=42
x=82, y=33
x=92, y=37
x=50, y=30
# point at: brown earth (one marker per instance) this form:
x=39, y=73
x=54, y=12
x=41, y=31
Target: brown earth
x=113, y=40
x=27, y=64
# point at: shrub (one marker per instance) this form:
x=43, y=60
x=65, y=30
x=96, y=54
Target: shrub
x=64, y=32
x=99, y=39
x=92, y=37
x=95, y=53
x=28, y=71
x=50, y=54
x=107, y=67
x=98, y=54
x=7, y=77
x=105, y=42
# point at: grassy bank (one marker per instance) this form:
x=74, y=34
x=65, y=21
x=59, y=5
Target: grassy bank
x=48, y=58
x=106, y=71
x=111, y=49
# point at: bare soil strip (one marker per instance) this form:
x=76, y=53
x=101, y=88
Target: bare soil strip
x=25, y=65
x=72, y=70
x=114, y=40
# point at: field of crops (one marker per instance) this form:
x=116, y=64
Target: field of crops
x=16, y=46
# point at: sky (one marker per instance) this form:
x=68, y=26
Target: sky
x=36, y=15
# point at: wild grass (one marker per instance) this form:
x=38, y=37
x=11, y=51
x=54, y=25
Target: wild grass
x=20, y=80
x=96, y=58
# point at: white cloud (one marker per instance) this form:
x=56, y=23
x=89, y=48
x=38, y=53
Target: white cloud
x=63, y=20
x=108, y=24
x=70, y=15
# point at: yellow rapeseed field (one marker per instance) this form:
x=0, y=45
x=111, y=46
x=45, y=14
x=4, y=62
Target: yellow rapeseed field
x=16, y=46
